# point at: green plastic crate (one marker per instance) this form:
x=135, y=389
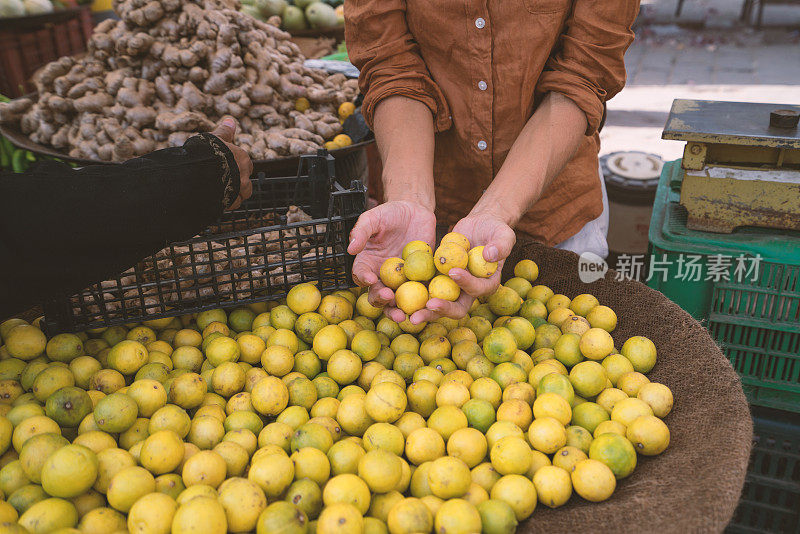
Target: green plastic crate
x=751, y=307
x=770, y=499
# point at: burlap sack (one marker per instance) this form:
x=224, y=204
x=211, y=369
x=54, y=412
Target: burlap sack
x=694, y=485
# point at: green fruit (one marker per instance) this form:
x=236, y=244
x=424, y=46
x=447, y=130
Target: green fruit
x=115, y=413
x=253, y=11
x=268, y=8
x=68, y=406
x=26, y=496
x=321, y=15
x=480, y=414
x=294, y=19
x=616, y=452
x=69, y=472
x=51, y=380
x=49, y=515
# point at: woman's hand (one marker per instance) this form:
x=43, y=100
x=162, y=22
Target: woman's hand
x=226, y=130
x=498, y=239
x=381, y=233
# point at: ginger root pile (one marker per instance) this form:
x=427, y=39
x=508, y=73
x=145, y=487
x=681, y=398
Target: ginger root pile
x=169, y=69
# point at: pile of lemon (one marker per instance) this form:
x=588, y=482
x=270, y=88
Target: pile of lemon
x=317, y=414
x=420, y=274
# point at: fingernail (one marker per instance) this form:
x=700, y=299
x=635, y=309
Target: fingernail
x=229, y=122
x=454, y=275
x=490, y=253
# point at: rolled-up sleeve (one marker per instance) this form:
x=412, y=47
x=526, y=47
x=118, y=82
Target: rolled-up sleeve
x=380, y=45
x=588, y=66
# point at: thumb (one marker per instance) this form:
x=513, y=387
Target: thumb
x=364, y=228
x=226, y=129
x=500, y=245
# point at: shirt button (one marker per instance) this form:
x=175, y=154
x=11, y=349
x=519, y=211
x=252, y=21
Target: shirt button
x=480, y=23
x=482, y=145
x=482, y=85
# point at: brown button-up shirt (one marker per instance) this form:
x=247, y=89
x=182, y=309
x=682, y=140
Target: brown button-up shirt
x=482, y=67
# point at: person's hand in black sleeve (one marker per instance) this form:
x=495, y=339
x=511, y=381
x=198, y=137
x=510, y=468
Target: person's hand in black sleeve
x=62, y=229
x=225, y=131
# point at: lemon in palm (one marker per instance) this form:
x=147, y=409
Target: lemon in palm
x=414, y=246
x=443, y=287
x=419, y=266
x=391, y=273
x=477, y=265
x=411, y=296
x=450, y=256
x=455, y=238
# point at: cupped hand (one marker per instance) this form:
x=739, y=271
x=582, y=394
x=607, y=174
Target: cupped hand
x=498, y=239
x=381, y=233
x=225, y=131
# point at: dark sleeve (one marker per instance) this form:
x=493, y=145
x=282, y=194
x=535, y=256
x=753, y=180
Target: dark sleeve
x=62, y=228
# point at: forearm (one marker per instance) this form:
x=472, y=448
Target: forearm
x=404, y=133
x=66, y=228
x=542, y=149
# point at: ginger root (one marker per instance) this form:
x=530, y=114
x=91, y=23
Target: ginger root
x=168, y=69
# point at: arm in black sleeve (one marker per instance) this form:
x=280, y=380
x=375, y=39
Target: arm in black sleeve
x=62, y=229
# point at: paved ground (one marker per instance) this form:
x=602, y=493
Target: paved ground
x=717, y=13
x=689, y=57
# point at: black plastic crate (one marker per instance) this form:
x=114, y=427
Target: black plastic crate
x=293, y=229
x=770, y=500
